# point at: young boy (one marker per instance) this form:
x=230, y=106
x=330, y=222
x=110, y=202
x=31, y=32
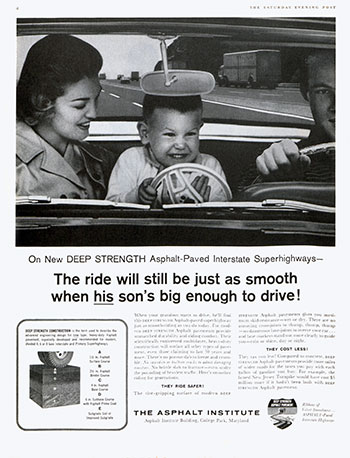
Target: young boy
x=169, y=135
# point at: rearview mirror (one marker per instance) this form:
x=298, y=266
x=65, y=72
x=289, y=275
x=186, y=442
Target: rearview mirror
x=177, y=83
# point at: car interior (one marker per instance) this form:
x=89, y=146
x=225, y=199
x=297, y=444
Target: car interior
x=241, y=117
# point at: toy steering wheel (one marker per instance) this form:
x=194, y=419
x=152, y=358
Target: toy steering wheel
x=176, y=181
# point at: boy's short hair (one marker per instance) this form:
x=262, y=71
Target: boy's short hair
x=314, y=57
x=180, y=104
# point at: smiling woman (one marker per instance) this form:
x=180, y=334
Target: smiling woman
x=57, y=96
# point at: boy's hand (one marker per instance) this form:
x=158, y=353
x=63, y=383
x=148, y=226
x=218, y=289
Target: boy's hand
x=147, y=194
x=200, y=184
x=281, y=161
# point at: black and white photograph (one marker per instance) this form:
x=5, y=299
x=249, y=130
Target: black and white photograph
x=175, y=131
x=175, y=251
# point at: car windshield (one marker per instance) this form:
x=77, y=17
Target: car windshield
x=255, y=85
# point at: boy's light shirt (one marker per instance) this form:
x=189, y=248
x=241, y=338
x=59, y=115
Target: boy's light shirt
x=152, y=159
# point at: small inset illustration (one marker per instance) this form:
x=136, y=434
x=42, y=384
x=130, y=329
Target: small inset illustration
x=282, y=412
x=54, y=383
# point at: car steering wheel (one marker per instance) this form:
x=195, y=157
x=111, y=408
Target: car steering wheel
x=321, y=193
x=327, y=149
x=321, y=151
x=176, y=181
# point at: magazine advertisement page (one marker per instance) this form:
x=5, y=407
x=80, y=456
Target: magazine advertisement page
x=175, y=262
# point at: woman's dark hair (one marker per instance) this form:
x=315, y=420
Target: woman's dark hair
x=180, y=104
x=51, y=64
